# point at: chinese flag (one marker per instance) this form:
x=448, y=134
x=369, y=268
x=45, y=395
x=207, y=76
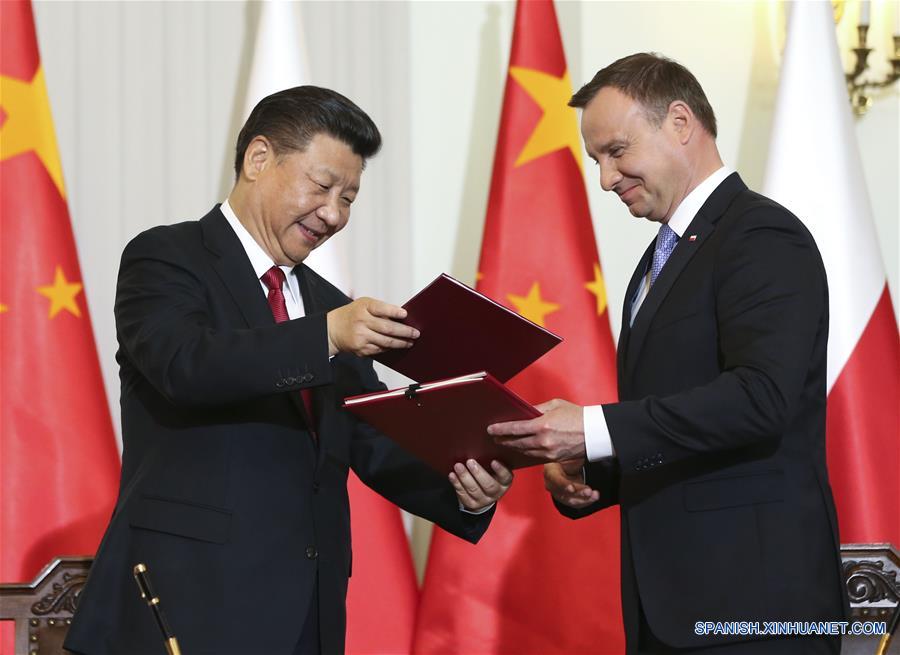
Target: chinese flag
x=58, y=458
x=537, y=582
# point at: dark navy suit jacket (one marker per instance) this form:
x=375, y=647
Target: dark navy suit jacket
x=719, y=435
x=224, y=494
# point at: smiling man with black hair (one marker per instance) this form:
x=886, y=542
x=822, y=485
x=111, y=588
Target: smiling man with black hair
x=234, y=359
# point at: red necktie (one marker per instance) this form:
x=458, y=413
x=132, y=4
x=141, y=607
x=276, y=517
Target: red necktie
x=274, y=281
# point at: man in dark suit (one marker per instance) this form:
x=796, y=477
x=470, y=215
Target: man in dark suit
x=715, y=451
x=234, y=359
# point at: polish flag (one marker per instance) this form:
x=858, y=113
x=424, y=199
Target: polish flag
x=383, y=573
x=280, y=62
x=814, y=169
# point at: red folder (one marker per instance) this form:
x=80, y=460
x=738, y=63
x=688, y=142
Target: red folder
x=445, y=422
x=463, y=331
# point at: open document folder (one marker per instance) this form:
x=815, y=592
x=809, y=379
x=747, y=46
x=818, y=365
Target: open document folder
x=468, y=347
x=445, y=422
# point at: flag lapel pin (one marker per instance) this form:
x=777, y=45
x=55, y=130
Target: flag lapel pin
x=692, y=238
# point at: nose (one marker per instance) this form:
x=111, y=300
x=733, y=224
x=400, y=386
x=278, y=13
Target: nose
x=609, y=175
x=330, y=211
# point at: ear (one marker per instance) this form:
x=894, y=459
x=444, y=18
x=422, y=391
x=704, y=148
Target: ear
x=682, y=120
x=258, y=155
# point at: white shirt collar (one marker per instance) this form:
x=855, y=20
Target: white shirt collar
x=693, y=201
x=260, y=261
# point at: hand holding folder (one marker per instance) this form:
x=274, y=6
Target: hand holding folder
x=464, y=332
x=468, y=347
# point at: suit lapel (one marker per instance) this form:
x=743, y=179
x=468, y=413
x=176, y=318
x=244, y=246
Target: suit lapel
x=691, y=241
x=637, y=279
x=232, y=265
x=309, y=290
x=321, y=396
x=235, y=270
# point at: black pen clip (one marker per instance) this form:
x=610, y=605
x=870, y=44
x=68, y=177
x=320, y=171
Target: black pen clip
x=412, y=393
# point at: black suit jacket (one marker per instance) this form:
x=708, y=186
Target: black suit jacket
x=224, y=494
x=719, y=435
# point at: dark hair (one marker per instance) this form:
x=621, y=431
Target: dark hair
x=290, y=119
x=655, y=82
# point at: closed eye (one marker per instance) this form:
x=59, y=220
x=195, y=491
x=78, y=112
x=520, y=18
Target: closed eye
x=614, y=149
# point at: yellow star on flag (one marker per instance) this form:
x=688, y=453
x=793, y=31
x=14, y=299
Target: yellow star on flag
x=558, y=127
x=532, y=306
x=597, y=288
x=3, y=308
x=29, y=125
x=62, y=294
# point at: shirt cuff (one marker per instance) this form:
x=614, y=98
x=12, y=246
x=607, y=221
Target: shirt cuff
x=476, y=512
x=597, y=443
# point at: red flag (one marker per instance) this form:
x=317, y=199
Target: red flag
x=383, y=574
x=58, y=458
x=383, y=593
x=826, y=188
x=537, y=582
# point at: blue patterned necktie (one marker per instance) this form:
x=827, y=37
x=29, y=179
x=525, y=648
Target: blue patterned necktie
x=665, y=244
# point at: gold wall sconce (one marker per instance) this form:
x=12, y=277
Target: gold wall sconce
x=861, y=80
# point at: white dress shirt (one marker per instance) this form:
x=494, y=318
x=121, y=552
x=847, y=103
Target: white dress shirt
x=597, y=443
x=261, y=263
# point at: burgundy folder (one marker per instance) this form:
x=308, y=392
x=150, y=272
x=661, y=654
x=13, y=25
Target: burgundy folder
x=470, y=344
x=444, y=422
x=463, y=331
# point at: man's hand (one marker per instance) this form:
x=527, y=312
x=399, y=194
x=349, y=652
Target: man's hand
x=556, y=436
x=368, y=327
x=565, y=482
x=478, y=489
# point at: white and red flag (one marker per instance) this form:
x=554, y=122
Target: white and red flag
x=815, y=170
x=383, y=595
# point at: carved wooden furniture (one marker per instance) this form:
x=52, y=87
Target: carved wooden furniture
x=872, y=576
x=43, y=609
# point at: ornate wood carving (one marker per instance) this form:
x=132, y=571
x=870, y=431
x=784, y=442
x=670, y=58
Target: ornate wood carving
x=869, y=582
x=871, y=574
x=63, y=598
